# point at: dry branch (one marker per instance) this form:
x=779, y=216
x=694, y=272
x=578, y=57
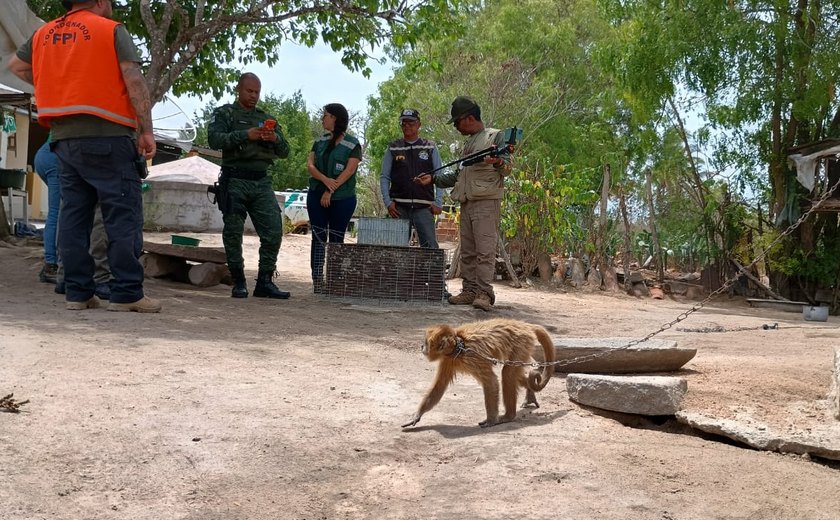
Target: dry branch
x=8, y=404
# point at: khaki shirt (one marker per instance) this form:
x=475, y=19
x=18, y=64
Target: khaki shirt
x=480, y=181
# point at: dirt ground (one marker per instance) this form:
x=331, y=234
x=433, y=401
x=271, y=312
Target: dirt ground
x=252, y=409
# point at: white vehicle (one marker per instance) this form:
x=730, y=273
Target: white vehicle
x=294, y=208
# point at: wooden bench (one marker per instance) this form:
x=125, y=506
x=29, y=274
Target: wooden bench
x=170, y=261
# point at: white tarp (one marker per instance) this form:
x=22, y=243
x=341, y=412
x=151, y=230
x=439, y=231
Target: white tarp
x=806, y=165
x=193, y=169
x=17, y=24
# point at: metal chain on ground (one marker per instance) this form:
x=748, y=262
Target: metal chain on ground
x=680, y=317
x=719, y=328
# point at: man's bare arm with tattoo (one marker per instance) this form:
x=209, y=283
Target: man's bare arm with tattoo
x=138, y=92
x=21, y=69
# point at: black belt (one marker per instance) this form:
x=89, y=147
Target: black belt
x=240, y=173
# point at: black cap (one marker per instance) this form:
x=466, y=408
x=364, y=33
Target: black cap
x=409, y=114
x=461, y=107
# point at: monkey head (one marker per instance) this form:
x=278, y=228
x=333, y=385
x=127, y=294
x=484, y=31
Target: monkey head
x=440, y=341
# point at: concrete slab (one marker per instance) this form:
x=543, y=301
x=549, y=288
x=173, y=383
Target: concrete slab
x=642, y=395
x=609, y=356
x=776, y=304
x=821, y=443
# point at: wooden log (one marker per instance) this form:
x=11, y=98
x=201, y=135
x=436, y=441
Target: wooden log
x=208, y=274
x=756, y=281
x=158, y=266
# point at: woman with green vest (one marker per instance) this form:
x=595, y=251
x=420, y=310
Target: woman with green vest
x=331, y=199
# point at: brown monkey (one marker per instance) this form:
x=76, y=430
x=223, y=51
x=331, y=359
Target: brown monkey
x=502, y=339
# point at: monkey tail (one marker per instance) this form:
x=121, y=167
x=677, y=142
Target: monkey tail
x=536, y=379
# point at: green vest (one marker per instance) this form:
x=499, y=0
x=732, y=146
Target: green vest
x=333, y=163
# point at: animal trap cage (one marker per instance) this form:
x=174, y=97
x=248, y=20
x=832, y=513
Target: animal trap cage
x=384, y=231
x=385, y=273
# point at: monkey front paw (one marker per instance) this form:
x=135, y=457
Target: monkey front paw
x=414, y=420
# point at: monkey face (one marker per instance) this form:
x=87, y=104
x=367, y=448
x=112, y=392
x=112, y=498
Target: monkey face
x=440, y=341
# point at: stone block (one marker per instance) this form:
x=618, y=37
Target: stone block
x=643, y=395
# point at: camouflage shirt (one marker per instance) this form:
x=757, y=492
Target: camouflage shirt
x=228, y=132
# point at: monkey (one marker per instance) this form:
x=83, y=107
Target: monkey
x=502, y=339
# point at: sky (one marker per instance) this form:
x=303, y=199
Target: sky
x=319, y=75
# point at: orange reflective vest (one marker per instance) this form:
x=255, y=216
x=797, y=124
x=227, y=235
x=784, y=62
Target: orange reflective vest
x=76, y=71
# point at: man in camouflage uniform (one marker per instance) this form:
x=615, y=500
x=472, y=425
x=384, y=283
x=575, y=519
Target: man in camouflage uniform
x=249, y=145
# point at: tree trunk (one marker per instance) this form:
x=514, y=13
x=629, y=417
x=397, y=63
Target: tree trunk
x=657, y=251
x=5, y=230
x=625, y=257
x=599, y=263
x=454, y=270
x=514, y=280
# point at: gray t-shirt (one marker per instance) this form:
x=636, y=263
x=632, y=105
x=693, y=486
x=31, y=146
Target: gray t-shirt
x=84, y=125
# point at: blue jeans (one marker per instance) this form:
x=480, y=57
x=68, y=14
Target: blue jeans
x=100, y=169
x=327, y=224
x=423, y=221
x=46, y=164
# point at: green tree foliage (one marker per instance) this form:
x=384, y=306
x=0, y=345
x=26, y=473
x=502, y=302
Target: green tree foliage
x=529, y=65
x=196, y=46
x=762, y=74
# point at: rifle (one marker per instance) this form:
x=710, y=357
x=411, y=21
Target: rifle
x=511, y=134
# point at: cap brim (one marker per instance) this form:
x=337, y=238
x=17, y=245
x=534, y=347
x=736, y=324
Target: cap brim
x=409, y=119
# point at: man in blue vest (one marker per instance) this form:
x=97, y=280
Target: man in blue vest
x=405, y=159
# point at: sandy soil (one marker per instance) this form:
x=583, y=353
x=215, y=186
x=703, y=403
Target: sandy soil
x=253, y=409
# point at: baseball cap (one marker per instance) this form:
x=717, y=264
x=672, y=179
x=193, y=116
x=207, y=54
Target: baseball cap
x=409, y=114
x=461, y=107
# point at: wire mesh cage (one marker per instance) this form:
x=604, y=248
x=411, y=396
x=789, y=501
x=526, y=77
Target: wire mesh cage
x=384, y=231
x=384, y=273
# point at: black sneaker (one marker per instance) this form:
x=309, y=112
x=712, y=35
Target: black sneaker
x=59, y=288
x=48, y=273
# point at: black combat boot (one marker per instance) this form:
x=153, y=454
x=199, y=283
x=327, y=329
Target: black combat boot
x=266, y=289
x=240, y=289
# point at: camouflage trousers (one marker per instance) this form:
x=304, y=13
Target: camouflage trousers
x=254, y=198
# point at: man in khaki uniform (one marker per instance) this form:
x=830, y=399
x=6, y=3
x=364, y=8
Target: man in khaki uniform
x=479, y=188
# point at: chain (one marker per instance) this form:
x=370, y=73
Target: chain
x=680, y=317
x=718, y=328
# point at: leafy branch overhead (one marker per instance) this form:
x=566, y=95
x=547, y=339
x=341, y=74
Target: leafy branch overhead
x=196, y=46
x=192, y=45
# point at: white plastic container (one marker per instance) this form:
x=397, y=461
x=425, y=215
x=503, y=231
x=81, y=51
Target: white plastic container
x=813, y=313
